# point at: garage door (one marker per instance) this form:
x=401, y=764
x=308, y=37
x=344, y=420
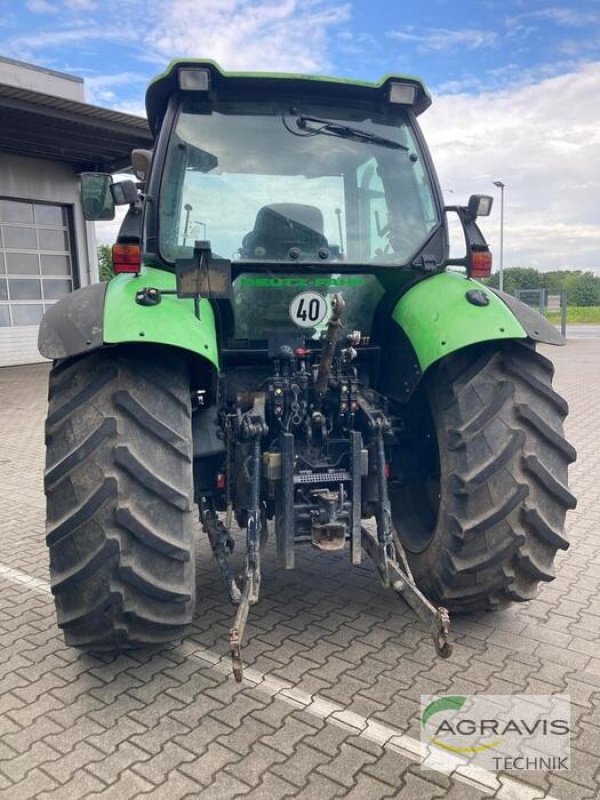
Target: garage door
x=36, y=269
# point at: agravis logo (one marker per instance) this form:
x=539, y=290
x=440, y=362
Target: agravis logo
x=444, y=726
x=499, y=732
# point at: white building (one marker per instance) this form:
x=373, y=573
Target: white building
x=48, y=136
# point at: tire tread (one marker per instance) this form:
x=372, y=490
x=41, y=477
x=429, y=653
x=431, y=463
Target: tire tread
x=120, y=534
x=504, y=499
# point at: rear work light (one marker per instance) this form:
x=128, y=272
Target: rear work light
x=193, y=80
x=403, y=93
x=126, y=258
x=480, y=264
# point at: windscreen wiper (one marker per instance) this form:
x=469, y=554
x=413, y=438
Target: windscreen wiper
x=328, y=128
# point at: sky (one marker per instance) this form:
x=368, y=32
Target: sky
x=515, y=85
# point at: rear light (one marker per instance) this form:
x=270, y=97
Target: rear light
x=480, y=264
x=126, y=258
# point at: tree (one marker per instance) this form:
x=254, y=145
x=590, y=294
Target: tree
x=559, y=279
x=583, y=288
x=517, y=278
x=585, y=291
x=105, y=265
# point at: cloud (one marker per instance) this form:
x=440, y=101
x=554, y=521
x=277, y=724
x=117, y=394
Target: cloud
x=29, y=46
x=135, y=107
x=445, y=39
x=241, y=34
x=542, y=141
x=579, y=47
x=80, y=5
x=100, y=89
x=564, y=17
x=512, y=75
x=278, y=35
x=41, y=7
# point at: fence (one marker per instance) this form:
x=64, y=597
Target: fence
x=544, y=301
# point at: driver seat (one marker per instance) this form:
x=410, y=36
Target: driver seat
x=281, y=226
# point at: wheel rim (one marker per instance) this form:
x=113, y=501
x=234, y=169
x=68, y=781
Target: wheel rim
x=416, y=501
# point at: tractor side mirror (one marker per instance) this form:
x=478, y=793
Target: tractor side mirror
x=140, y=161
x=96, y=197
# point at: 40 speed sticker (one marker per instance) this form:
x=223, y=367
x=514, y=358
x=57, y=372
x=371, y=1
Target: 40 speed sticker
x=308, y=309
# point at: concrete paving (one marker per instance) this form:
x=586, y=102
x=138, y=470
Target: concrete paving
x=330, y=704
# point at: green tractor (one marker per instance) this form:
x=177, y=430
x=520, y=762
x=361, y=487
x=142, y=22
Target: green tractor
x=288, y=348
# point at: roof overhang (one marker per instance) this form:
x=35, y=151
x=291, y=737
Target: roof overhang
x=88, y=137
x=269, y=84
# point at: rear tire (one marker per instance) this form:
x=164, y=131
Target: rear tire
x=488, y=531
x=119, y=493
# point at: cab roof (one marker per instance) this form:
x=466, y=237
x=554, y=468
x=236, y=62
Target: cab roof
x=274, y=84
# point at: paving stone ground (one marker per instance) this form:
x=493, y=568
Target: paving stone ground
x=325, y=641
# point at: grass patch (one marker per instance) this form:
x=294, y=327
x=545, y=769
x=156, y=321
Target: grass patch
x=575, y=314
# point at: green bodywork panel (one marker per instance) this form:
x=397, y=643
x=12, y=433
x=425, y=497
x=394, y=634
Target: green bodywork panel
x=438, y=319
x=171, y=322
x=435, y=315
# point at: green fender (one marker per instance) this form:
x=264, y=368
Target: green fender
x=438, y=318
x=107, y=313
x=171, y=322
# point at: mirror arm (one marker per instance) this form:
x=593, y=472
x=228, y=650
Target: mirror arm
x=474, y=239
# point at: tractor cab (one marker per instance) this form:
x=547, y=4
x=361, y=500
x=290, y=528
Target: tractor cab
x=305, y=187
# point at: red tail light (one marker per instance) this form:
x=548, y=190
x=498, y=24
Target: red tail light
x=480, y=265
x=126, y=258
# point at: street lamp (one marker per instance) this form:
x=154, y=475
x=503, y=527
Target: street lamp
x=500, y=185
